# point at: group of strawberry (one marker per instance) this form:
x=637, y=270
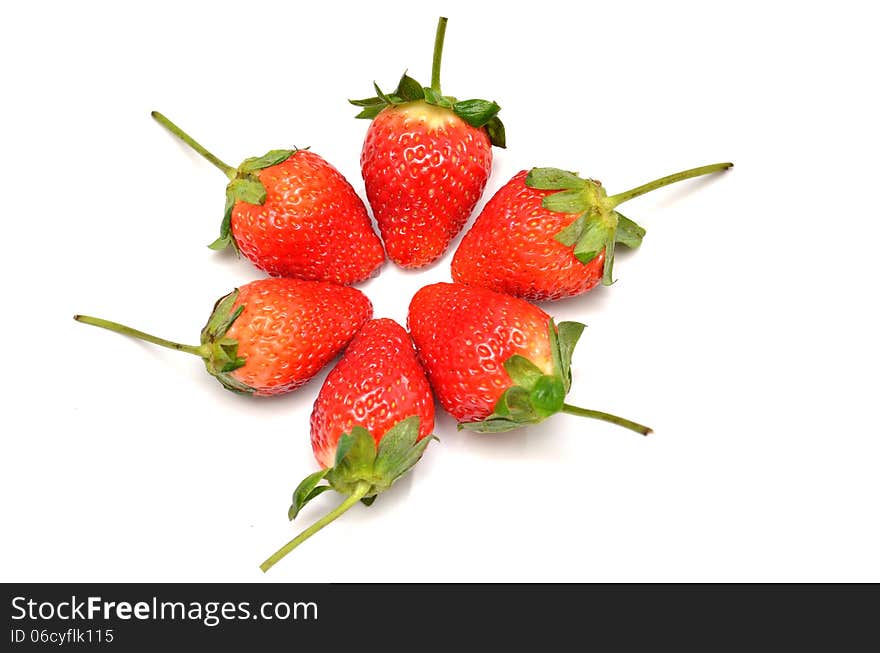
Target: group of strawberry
x=493, y=360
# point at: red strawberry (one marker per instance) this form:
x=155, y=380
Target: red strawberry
x=270, y=336
x=549, y=234
x=496, y=362
x=377, y=383
x=370, y=424
x=294, y=215
x=425, y=163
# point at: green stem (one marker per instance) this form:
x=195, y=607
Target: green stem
x=134, y=333
x=438, y=55
x=620, y=198
x=228, y=170
x=360, y=491
x=606, y=417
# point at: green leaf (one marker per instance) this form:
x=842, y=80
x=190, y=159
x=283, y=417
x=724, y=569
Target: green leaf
x=233, y=365
x=516, y=405
x=567, y=338
x=228, y=317
x=305, y=492
x=399, y=450
x=225, y=239
x=573, y=232
x=371, y=112
x=357, y=463
x=495, y=129
x=522, y=371
x=586, y=255
x=248, y=189
x=476, y=113
x=271, y=158
x=368, y=102
x=412, y=457
x=595, y=238
x=225, y=354
x=607, y=279
x=343, y=444
x=553, y=179
x=381, y=95
x=221, y=318
x=368, y=501
x=567, y=201
x=629, y=234
x=395, y=445
x=222, y=352
x=221, y=358
x=409, y=89
x=432, y=97
x=291, y=513
x=233, y=384
x=229, y=346
x=221, y=243
x=555, y=349
x=548, y=395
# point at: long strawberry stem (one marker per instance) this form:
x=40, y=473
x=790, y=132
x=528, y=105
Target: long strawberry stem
x=620, y=198
x=134, y=333
x=228, y=170
x=438, y=54
x=607, y=417
x=359, y=493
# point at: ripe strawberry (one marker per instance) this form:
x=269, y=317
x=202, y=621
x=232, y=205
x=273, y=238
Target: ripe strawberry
x=496, y=362
x=272, y=335
x=548, y=234
x=294, y=215
x=370, y=424
x=377, y=383
x=425, y=163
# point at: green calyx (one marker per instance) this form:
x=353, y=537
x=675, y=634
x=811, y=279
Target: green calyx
x=217, y=350
x=534, y=395
x=245, y=186
x=599, y=226
x=477, y=113
x=220, y=352
x=361, y=470
x=359, y=462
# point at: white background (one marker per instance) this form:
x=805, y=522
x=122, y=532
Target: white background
x=743, y=331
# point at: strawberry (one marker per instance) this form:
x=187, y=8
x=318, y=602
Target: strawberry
x=496, y=362
x=371, y=423
x=294, y=215
x=272, y=335
x=549, y=234
x=395, y=388
x=425, y=163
